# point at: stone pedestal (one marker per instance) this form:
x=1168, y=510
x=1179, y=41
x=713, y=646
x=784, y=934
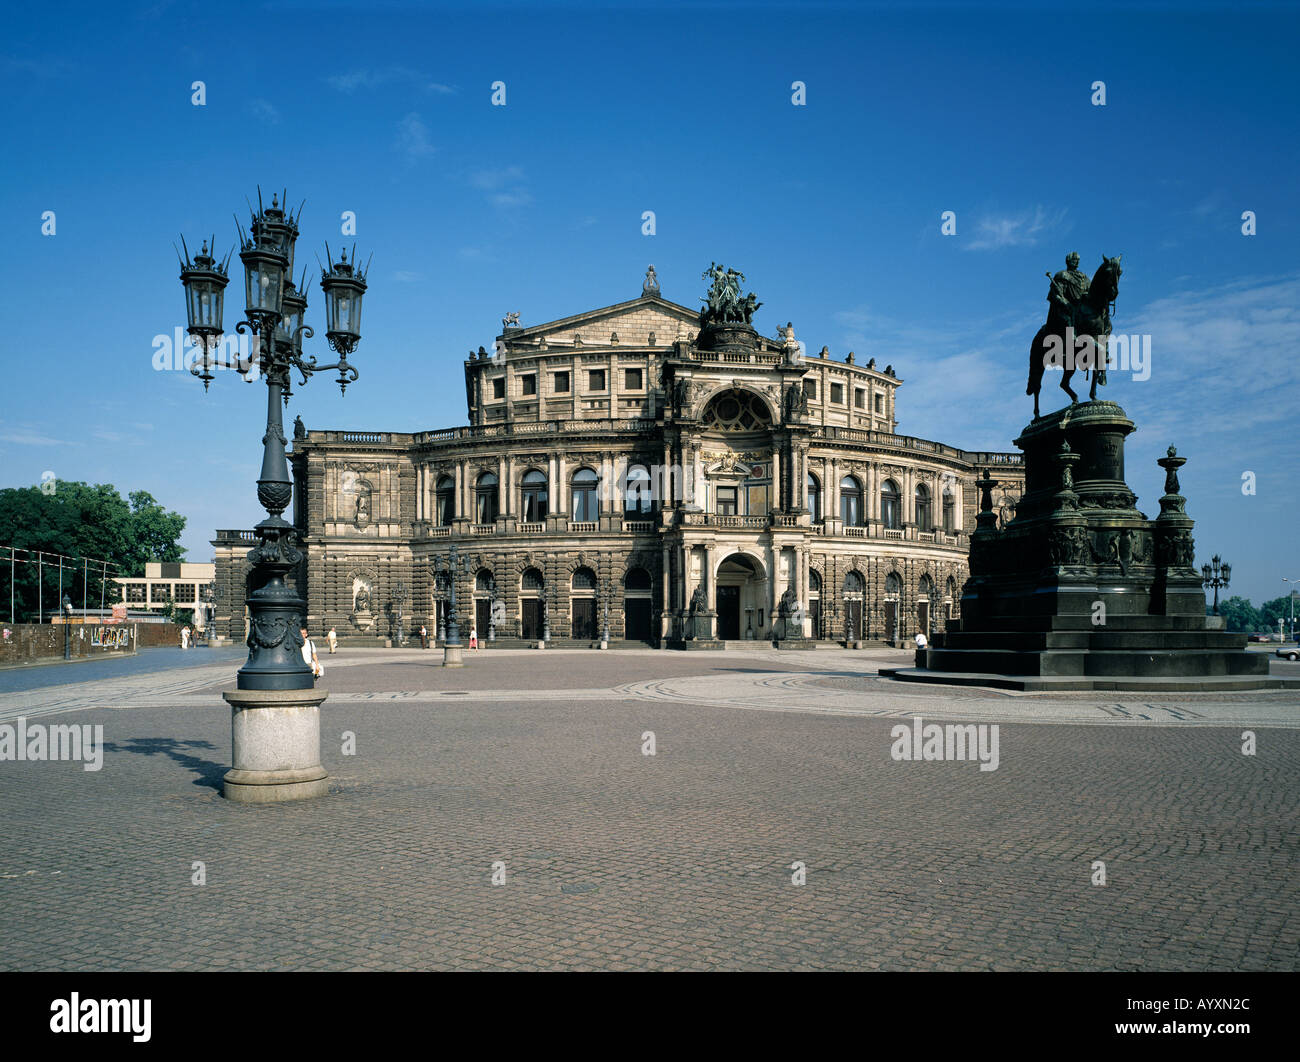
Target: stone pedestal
x=451, y=656
x=1081, y=590
x=276, y=739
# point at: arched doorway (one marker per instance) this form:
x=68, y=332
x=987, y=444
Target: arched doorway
x=893, y=590
x=582, y=605
x=636, y=605
x=531, y=588
x=484, y=592
x=924, y=591
x=740, y=582
x=853, y=599
x=815, y=602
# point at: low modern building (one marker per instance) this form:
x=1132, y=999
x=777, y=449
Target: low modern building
x=622, y=469
x=184, y=584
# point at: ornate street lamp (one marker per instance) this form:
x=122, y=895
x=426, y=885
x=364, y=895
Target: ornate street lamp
x=606, y=596
x=848, y=622
x=456, y=565
x=400, y=595
x=492, y=609
x=1216, y=575
x=274, y=311
x=276, y=710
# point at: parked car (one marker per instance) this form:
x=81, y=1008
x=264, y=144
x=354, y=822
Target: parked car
x=1290, y=652
x=1259, y=638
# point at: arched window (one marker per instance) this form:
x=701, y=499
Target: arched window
x=445, y=501
x=485, y=499
x=637, y=497
x=923, y=520
x=925, y=588
x=891, y=505
x=484, y=581
x=531, y=580
x=533, y=487
x=584, y=579
x=949, y=512
x=851, y=501
x=893, y=585
x=585, y=502
x=814, y=498
x=637, y=579
x=853, y=584
x=736, y=410
x=814, y=581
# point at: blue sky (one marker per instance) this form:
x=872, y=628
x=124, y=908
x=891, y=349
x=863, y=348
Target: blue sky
x=832, y=210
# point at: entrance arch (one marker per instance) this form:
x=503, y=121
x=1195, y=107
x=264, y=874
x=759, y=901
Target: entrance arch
x=740, y=585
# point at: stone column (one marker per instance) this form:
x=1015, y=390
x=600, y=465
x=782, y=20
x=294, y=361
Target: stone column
x=778, y=492
x=276, y=740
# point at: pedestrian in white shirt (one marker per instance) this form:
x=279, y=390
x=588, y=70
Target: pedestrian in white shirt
x=309, y=656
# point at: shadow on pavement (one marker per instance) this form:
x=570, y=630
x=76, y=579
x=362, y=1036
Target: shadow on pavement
x=209, y=773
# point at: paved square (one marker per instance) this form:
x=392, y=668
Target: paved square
x=682, y=860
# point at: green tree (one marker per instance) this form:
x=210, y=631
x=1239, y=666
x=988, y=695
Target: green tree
x=1239, y=614
x=1272, y=611
x=79, y=520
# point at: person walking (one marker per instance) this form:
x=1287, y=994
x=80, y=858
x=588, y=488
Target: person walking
x=309, y=657
x=424, y=636
x=185, y=637
x=334, y=641
x=473, y=637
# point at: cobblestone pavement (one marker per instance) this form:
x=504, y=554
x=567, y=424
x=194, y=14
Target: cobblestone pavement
x=681, y=860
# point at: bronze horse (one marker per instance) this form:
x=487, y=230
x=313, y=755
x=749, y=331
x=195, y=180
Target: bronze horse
x=1091, y=320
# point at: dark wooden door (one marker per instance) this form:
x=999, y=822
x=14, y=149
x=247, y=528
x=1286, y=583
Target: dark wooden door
x=815, y=615
x=853, y=616
x=891, y=620
x=532, y=619
x=729, y=612
x=636, y=617
x=584, y=619
x=482, y=611
x=923, y=617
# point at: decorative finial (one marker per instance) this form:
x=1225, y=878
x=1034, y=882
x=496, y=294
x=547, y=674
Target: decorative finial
x=650, y=286
x=1172, y=451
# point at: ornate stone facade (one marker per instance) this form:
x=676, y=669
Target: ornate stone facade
x=617, y=461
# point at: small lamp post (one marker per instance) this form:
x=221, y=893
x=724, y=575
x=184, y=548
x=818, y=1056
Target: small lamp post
x=67, y=627
x=546, y=614
x=456, y=565
x=1215, y=574
x=276, y=711
x=400, y=595
x=606, y=595
x=1291, y=598
x=492, y=610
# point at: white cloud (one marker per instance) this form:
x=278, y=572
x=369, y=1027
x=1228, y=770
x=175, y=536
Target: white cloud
x=353, y=80
x=413, y=137
x=994, y=232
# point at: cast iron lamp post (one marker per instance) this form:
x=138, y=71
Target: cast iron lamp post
x=492, y=610
x=67, y=627
x=456, y=565
x=276, y=721
x=400, y=595
x=273, y=315
x=1215, y=574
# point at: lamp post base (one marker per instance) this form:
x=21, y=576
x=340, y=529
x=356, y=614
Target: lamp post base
x=276, y=741
x=451, y=656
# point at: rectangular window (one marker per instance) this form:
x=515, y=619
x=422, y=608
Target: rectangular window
x=632, y=379
x=859, y=399
x=837, y=393
x=810, y=389
x=880, y=404
x=726, y=501
x=185, y=593
x=529, y=383
x=561, y=383
x=499, y=387
x=595, y=379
